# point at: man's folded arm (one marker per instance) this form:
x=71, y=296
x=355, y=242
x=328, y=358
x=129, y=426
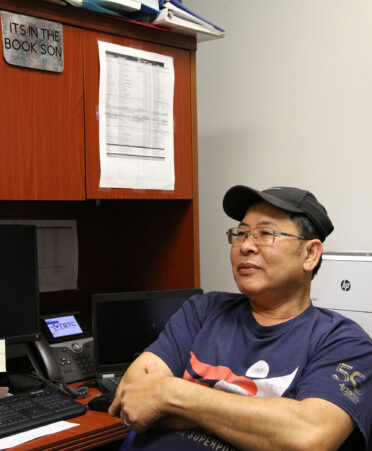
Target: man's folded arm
x=138, y=369
x=261, y=423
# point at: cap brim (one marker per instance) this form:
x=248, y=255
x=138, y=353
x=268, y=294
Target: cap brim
x=239, y=198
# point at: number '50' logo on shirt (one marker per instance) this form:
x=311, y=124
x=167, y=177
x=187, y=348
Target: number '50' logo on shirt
x=351, y=382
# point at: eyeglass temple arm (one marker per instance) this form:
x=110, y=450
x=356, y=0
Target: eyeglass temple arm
x=288, y=234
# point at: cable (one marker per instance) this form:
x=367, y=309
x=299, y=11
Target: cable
x=80, y=392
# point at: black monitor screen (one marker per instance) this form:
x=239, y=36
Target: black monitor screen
x=126, y=323
x=19, y=295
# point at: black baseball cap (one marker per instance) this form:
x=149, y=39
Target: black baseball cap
x=239, y=198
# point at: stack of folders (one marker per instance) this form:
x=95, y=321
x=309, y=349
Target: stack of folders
x=171, y=14
x=116, y=7
x=178, y=17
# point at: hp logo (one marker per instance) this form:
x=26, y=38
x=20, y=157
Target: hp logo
x=345, y=285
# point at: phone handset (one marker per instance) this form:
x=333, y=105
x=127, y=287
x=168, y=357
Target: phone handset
x=47, y=360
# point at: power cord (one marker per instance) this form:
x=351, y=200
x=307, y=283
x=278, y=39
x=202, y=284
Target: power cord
x=80, y=392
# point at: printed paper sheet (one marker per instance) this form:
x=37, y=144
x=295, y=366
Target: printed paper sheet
x=135, y=118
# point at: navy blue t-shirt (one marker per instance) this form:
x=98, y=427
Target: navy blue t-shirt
x=215, y=340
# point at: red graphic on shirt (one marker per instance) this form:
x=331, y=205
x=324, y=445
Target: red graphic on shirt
x=214, y=374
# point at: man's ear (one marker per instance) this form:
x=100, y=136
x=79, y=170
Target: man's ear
x=312, y=253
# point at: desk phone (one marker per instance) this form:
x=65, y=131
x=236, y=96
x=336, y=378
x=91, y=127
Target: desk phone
x=66, y=349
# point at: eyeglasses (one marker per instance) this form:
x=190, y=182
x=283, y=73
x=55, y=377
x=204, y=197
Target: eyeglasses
x=260, y=235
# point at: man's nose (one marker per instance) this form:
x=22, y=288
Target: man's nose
x=248, y=245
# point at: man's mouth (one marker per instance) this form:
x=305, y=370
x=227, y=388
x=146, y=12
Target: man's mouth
x=247, y=268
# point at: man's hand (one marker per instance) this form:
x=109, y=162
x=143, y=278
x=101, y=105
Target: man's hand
x=138, y=369
x=140, y=402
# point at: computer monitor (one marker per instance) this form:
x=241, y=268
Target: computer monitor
x=19, y=294
x=125, y=323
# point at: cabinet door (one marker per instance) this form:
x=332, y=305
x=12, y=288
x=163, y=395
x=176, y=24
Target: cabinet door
x=42, y=128
x=183, y=156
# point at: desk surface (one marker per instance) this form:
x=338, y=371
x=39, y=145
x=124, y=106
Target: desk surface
x=95, y=429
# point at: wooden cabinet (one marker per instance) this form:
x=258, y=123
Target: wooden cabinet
x=42, y=128
x=49, y=121
x=49, y=161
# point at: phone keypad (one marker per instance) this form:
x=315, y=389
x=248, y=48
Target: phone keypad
x=75, y=361
x=84, y=363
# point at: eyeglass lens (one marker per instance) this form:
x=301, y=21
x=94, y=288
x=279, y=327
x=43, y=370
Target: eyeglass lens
x=260, y=235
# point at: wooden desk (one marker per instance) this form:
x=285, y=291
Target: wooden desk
x=95, y=429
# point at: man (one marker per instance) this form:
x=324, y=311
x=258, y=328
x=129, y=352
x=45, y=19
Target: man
x=260, y=370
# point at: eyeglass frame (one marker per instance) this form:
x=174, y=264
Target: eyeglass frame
x=250, y=232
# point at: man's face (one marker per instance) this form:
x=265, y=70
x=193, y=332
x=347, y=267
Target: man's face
x=268, y=270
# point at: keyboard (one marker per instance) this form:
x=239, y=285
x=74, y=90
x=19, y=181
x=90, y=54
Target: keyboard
x=36, y=408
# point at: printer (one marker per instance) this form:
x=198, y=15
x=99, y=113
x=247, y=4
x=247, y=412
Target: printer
x=344, y=284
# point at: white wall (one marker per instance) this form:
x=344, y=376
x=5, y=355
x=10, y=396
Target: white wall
x=285, y=99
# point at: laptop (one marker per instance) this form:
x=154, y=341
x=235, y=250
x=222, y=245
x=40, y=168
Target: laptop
x=124, y=324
